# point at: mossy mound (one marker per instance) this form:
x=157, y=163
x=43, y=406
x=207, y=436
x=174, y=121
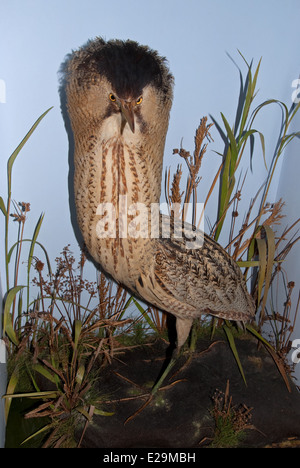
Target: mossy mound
x=180, y=415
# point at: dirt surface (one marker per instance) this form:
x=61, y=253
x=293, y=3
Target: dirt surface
x=180, y=416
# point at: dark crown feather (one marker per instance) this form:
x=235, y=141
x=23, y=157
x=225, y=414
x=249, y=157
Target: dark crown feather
x=128, y=66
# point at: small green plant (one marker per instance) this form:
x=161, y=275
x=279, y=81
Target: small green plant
x=231, y=422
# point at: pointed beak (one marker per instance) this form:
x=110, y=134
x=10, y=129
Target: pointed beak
x=127, y=112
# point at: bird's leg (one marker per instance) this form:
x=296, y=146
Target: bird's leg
x=183, y=327
x=194, y=336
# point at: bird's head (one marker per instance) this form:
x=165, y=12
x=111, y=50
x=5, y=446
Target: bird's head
x=119, y=83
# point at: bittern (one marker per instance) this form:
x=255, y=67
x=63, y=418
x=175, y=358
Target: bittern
x=119, y=96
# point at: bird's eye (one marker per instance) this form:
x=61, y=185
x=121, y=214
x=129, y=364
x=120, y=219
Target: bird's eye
x=112, y=97
x=139, y=101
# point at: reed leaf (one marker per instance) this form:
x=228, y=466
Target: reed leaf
x=13, y=381
x=34, y=395
x=262, y=253
x=224, y=192
x=47, y=427
x=80, y=374
x=233, y=145
x=20, y=312
x=248, y=263
x=293, y=112
x=45, y=373
x=8, y=327
x=250, y=93
x=31, y=249
x=77, y=331
x=10, y=164
x=251, y=248
x=84, y=412
x=103, y=413
x=269, y=347
x=270, y=262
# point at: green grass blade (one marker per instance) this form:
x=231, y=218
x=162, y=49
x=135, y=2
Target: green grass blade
x=8, y=328
x=248, y=263
x=2, y=207
x=40, y=431
x=33, y=380
x=263, y=147
x=20, y=312
x=12, y=158
x=258, y=335
x=45, y=373
x=262, y=252
x=77, y=331
x=233, y=144
x=34, y=238
x=278, y=361
x=288, y=138
x=145, y=315
x=80, y=374
x=232, y=345
x=45, y=394
x=250, y=94
x=77, y=327
x=102, y=413
x=270, y=262
x=295, y=110
x=30, y=255
x=224, y=192
x=271, y=251
x=37, y=243
x=255, y=76
x=84, y=412
x=253, y=131
x=267, y=103
x=13, y=382
x=128, y=302
x=247, y=102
